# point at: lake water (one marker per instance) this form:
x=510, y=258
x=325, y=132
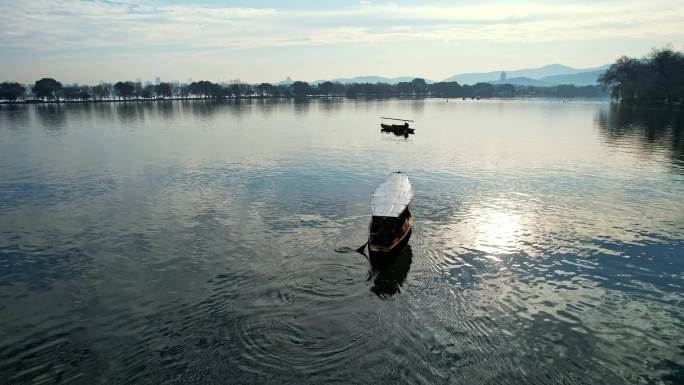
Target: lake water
x=195, y=242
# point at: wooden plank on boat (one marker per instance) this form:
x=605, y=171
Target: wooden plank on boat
x=392, y=196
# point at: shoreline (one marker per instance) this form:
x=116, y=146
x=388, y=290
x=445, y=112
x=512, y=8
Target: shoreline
x=323, y=97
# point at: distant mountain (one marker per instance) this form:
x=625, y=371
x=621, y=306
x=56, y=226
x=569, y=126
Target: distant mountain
x=523, y=81
x=540, y=73
x=372, y=79
x=587, y=78
x=545, y=76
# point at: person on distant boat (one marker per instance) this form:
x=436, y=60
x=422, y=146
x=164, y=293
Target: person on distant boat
x=405, y=124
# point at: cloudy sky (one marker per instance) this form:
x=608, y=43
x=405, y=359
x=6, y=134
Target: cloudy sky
x=88, y=41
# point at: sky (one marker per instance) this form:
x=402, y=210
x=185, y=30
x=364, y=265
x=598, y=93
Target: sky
x=88, y=41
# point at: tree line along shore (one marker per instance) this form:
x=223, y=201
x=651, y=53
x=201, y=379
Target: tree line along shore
x=48, y=90
x=658, y=77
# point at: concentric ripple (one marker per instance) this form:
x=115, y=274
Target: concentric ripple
x=279, y=342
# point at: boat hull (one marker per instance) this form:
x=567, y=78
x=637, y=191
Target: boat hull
x=394, y=126
x=396, y=129
x=383, y=258
x=381, y=254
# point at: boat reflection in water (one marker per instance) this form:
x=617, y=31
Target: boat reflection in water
x=388, y=275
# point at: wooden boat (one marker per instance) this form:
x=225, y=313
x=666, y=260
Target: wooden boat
x=391, y=224
x=399, y=129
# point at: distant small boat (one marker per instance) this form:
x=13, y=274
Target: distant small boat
x=391, y=224
x=399, y=129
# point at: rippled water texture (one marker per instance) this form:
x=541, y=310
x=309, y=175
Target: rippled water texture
x=193, y=242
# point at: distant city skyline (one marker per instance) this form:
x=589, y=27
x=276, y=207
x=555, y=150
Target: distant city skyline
x=268, y=41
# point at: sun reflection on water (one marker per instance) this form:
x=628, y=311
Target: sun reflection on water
x=497, y=231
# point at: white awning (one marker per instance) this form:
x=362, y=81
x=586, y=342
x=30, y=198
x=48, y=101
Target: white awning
x=392, y=196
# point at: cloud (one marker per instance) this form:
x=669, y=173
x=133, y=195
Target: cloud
x=120, y=26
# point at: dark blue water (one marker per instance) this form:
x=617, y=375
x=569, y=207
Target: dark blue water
x=194, y=242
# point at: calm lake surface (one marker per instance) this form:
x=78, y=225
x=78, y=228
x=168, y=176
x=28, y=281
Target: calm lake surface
x=199, y=242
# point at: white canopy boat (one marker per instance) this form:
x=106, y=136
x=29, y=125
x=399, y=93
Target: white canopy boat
x=392, y=223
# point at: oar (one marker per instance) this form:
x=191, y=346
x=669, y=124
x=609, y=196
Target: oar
x=360, y=250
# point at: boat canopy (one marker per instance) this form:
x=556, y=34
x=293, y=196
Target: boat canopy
x=392, y=196
x=403, y=120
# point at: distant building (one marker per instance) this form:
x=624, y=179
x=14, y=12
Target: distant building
x=286, y=82
x=502, y=76
x=138, y=80
x=157, y=80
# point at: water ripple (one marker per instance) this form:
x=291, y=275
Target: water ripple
x=195, y=242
